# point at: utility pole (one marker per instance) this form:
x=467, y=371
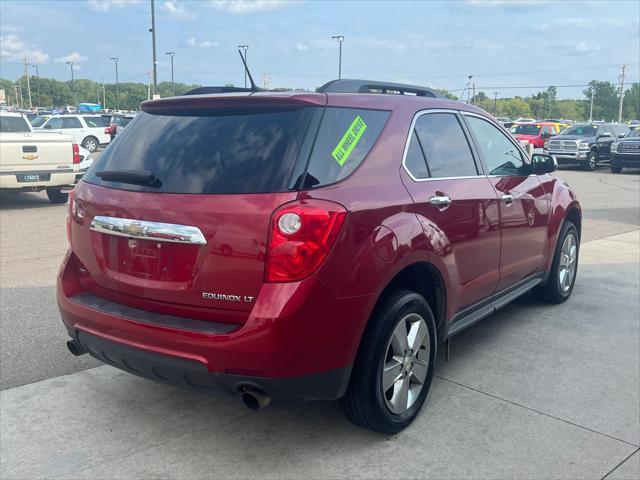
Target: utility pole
x=104, y=97
x=37, y=81
x=21, y=99
x=153, y=39
x=340, y=39
x=73, y=91
x=623, y=67
x=26, y=73
x=245, y=48
x=173, y=88
x=115, y=60
x=473, y=98
x=15, y=89
x=591, y=108
x=495, y=102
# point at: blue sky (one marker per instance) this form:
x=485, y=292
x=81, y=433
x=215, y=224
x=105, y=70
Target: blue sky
x=503, y=43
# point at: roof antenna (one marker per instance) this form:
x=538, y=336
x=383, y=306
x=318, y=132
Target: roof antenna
x=254, y=87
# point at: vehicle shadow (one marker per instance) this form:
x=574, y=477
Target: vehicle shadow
x=24, y=200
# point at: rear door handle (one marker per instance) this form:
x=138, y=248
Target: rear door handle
x=440, y=200
x=506, y=198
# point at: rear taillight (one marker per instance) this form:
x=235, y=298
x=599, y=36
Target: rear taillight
x=301, y=235
x=76, y=154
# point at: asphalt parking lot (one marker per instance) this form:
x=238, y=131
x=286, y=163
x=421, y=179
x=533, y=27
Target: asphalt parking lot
x=535, y=391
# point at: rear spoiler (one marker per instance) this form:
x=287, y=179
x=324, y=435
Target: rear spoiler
x=199, y=103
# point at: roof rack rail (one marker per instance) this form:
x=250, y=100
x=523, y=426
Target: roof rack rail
x=205, y=90
x=372, y=86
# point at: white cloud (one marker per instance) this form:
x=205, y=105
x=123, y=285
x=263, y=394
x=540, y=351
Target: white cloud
x=193, y=43
x=580, y=48
x=106, y=5
x=11, y=29
x=242, y=7
x=13, y=49
x=301, y=47
x=176, y=10
x=74, y=57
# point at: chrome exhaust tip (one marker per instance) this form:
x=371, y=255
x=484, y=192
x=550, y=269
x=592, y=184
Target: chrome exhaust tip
x=255, y=400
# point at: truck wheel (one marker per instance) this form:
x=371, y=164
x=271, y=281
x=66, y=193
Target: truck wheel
x=592, y=161
x=57, y=196
x=564, y=268
x=90, y=143
x=394, y=367
x=616, y=169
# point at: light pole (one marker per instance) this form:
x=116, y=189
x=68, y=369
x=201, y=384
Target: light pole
x=153, y=40
x=495, y=102
x=173, y=88
x=37, y=82
x=591, y=108
x=115, y=60
x=340, y=39
x=245, y=48
x=73, y=92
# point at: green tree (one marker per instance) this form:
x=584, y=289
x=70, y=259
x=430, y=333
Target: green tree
x=605, y=100
x=631, y=109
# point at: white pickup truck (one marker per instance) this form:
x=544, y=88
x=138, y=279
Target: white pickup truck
x=35, y=161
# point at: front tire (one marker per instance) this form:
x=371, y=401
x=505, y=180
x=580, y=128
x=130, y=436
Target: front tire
x=564, y=268
x=90, y=143
x=57, y=196
x=394, y=367
x=592, y=161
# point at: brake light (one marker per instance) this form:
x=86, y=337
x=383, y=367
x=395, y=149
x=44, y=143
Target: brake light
x=301, y=236
x=76, y=154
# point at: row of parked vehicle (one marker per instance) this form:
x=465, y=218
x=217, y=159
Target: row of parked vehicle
x=585, y=144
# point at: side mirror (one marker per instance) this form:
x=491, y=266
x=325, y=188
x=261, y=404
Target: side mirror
x=622, y=135
x=542, y=163
x=604, y=135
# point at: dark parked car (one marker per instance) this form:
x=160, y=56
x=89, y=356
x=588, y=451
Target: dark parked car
x=585, y=145
x=309, y=245
x=626, y=152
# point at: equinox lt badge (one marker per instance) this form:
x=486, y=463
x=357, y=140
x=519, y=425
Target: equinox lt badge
x=227, y=298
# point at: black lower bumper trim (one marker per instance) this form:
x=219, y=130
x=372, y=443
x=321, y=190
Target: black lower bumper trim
x=175, y=371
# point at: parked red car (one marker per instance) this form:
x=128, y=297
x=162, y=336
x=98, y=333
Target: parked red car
x=535, y=133
x=309, y=245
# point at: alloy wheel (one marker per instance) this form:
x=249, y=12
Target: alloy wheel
x=568, y=262
x=406, y=364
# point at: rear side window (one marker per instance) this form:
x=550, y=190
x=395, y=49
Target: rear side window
x=13, y=125
x=344, y=139
x=445, y=146
x=415, y=161
x=71, y=122
x=248, y=152
x=93, y=122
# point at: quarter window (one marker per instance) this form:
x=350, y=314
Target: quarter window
x=501, y=156
x=414, y=160
x=71, y=122
x=445, y=146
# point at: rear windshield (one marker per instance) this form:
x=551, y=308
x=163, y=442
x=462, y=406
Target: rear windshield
x=13, y=125
x=581, y=131
x=93, y=122
x=248, y=152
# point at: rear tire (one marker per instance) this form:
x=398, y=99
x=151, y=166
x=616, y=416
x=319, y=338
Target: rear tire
x=564, y=268
x=57, y=196
x=380, y=364
x=592, y=161
x=616, y=169
x=90, y=143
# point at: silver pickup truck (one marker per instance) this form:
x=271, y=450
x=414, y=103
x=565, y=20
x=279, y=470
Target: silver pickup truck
x=36, y=161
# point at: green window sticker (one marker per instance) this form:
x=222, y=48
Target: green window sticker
x=349, y=141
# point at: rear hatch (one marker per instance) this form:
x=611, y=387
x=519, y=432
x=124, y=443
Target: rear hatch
x=176, y=210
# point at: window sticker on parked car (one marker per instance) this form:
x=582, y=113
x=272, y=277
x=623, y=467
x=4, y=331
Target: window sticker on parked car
x=349, y=140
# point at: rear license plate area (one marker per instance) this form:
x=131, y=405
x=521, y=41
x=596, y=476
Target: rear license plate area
x=33, y=177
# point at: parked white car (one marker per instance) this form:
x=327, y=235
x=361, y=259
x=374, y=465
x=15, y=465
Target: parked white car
x=87, y=130
x=35, y=161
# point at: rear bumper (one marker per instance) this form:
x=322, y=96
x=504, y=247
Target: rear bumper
x=625, y=160
x=298, y=341
x=195, y=375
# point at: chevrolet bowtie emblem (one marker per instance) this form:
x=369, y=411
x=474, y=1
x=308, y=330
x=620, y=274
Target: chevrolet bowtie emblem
x=135, y=229
x=30, y=156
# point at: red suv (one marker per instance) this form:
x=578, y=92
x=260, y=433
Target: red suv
x=309, y=245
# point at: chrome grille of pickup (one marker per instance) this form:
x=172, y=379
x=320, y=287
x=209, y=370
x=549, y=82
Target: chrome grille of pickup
x=629, y=147
x=563, y=145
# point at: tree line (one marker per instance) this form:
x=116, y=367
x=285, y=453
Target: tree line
x=48, y=92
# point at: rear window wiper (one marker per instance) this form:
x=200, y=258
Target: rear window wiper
x=136, y=177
